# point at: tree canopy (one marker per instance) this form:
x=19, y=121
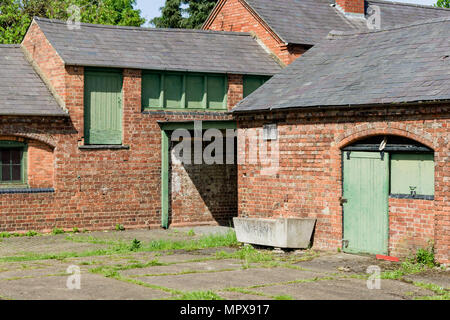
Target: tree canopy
x=188, y=14
x=16, y=15
x=443, y=3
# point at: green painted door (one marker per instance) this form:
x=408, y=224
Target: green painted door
x=366, y=190
x=103, y=107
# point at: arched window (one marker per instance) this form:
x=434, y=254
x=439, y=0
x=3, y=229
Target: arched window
x=411, y=173
x=13, y=164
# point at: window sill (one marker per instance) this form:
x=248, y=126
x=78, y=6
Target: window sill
x=104, y=147
x=408, y=196
x=26, y=190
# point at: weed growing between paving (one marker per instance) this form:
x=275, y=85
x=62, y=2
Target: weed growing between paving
x=118, y=247
x=199, y=295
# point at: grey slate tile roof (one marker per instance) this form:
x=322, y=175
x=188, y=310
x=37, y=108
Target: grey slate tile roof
x=401, y=65
x=158, y=49
x=22, y=91
x=308, y=21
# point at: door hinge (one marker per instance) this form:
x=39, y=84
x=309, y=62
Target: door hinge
x=345, y=243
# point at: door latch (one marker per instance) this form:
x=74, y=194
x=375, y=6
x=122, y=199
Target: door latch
x=342, y=201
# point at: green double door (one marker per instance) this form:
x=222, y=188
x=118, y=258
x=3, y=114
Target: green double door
x=366, y=195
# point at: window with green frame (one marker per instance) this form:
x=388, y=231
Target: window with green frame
x=176, y=90
x=251, y=83
x=13, y=170
x=412, y=174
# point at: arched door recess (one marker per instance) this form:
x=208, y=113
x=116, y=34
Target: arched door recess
x=374, y=169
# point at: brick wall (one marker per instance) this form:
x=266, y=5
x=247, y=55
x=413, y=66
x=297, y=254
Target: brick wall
x=235, y=15
x=94, y=189
x=198, y=192
x=308, y=183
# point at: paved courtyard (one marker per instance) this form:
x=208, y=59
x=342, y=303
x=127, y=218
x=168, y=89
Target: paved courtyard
x=198, y=263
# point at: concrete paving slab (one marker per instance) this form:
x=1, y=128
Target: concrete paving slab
x=346, y=289
x=206, y=266
x=31, y=273
x=437, y=277
x=346, y=263
x=182, y=257
x=222, y=280
x=17, y=246
x=93, y=287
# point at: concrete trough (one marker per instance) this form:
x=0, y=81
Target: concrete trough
x=289, y=233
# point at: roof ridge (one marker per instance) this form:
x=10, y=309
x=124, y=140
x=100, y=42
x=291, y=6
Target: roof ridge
x=336, y=33
x=423, y=6
x=145, y=29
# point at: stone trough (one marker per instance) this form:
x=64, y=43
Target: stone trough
x=289, y=233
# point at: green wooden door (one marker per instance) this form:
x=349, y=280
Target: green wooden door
x=103, y=107
x=366, y=190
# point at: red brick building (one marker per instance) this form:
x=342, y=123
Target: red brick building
x=86, y=117
x=88, y=150
x=288, y=28
x=363, y=141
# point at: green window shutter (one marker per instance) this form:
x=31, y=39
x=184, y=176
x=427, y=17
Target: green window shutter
x=412, y=172
x=195, y=88
x=103, y=107
x=217, y=92
x=173, y=91
x=251, y=83
x=151, y=90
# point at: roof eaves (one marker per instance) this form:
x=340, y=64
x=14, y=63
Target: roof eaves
x=159, y=68
x=347, y=106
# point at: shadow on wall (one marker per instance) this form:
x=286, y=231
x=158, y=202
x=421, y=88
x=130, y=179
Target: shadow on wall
x=202, y=193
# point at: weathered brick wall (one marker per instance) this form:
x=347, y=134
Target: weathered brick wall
x=235, y=15
x=94, y=189
x=41, y=51
x=198, y=192
x=411, y=225
x=308, y=183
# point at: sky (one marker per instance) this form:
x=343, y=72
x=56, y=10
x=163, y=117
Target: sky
x=150, y=8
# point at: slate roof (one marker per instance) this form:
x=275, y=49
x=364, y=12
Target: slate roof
x=401, y=65
x=22, y=91
x=158, y=49
x=309, y=21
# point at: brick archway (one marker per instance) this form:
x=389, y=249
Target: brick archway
x=362, y=131
x=31, y=136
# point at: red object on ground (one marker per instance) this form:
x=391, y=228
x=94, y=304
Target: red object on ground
x=388, y=258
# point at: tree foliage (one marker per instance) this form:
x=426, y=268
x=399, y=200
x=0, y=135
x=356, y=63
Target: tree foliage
x=171, y=15
x=16, y=15
x=188, y=14
x=443, y=3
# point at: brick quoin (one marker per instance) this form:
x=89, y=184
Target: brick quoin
x=96, y=189
x=237, y=16
x=309, y=181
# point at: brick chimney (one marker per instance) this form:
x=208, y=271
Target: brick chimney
x=351, y=7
